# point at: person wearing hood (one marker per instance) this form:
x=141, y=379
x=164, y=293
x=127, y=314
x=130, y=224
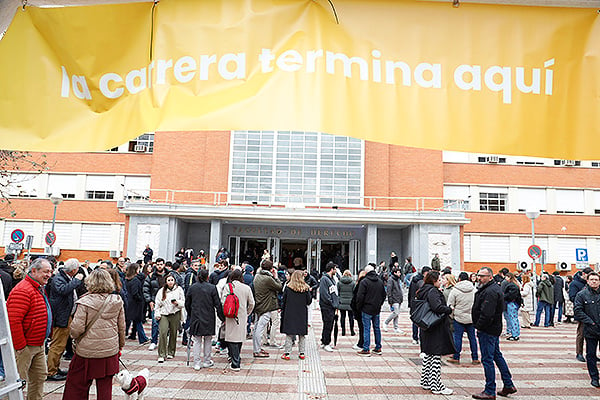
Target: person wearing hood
x=437, y=340
x=415, y=284
x=345, y=289
x=394, y=297
x=460, y=301
x=545, y=295
x=370, y=297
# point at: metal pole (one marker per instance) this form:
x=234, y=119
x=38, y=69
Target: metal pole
x=54, y=218
x=535, y=305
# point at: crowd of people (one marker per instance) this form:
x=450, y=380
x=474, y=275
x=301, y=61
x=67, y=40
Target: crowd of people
x=77, y=309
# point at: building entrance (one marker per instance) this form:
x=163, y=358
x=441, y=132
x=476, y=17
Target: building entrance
x=310, y=253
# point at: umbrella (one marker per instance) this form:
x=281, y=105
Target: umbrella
x=335, y=328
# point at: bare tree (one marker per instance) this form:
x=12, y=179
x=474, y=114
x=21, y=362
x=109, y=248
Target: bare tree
x=11, y=180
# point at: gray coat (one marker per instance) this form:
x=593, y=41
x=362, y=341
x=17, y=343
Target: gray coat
x=235, y=331
x=394, y=290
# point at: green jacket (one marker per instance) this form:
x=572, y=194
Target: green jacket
x=545, y=291
x=266, y=288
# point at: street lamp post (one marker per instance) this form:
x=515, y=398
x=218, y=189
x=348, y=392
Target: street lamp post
x=532, y=215
x=55, y=199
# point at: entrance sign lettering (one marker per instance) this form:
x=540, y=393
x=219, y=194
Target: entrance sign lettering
x=534, y=76
x=265, y=231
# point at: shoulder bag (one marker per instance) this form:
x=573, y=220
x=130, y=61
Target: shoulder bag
x=422, y=315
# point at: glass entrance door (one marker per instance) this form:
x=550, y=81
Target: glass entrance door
x=354, y=257
x=234, y=250
x=273, y=244
x=313, y=258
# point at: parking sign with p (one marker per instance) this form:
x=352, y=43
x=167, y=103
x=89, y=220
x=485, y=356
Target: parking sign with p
x=581, y=255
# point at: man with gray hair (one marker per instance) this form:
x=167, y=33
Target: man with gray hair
x=61, y=291
x=30, y=321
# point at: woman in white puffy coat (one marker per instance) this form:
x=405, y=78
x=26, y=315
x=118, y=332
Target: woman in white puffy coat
x=167, y=311
x=527, y=294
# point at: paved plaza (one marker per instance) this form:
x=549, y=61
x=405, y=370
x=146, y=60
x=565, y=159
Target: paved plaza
x=542, y=363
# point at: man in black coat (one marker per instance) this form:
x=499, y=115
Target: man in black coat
x=201, y=302
x=559, y=298
x=370, y=297
x=152, y=284
x=487, y=318
x=62, y=299
x=578, y=284
x=587, y=311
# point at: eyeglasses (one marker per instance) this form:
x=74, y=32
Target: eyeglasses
x=482, y=275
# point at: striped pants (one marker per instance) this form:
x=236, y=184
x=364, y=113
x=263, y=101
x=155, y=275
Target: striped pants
x=431, y=373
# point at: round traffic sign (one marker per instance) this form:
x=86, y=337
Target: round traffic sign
x=50, y=238
x=534, y=251
x=17, y=235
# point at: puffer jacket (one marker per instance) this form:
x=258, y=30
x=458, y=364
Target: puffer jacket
x=107, y=336
x=461, y=301
x=345, y=288
x=28, y=313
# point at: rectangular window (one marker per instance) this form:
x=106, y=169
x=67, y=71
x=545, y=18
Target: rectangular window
x=296, y=167
x=569, y=201
x=532, y=199
x=96, y=236
x=137, y=187
x=456, y=197
x=21, y=185
x=495, y=248
x=65, y=185
x=100, y=187
x=143, y=143
x=492, y=201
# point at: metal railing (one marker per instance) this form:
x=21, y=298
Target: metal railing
x=286, y=200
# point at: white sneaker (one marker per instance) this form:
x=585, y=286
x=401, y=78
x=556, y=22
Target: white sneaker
x=152, y=346
x=328, y=348
x=208, y=364
x=422, y=355
x=161, y=359
x=398, y=330
x=385, y=328
x=169, y=357
x=445, y=392
x=321, y=345
x=415, y=342
x=356, y=347
x=197, y=366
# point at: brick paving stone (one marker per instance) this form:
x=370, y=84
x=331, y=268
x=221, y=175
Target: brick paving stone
x=542, y=363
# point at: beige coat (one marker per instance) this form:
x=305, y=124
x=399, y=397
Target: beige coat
x=107, y=336
x=236, y=331
x=461, y=301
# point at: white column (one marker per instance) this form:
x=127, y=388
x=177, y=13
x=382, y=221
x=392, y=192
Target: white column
x=372, y=243
x=215, y=240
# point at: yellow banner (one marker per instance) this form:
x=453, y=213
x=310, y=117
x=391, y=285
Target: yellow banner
x=480, y=78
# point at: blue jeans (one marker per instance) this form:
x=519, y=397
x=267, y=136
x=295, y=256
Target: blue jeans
x=154, y=329
x=367, y=320
x=546, y=308
x=490, y=354
x=559, y=305
x=459, y=329
x=415, y=332
x=2, y=373
x=142, y=338
x=513, y=327
x=591, y=345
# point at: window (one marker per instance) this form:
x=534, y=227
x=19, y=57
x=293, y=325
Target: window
x=597, y=202
x=532, y=199
x=96, y=237
x=568, y=163
x=62, y=184
x=492, y=201
x=456, y=197
x=492, y=160
x=143, y=143
x=296, y=167
x=100, y=187
x=569, y=201
x=137, y=187
x=21, y=185
x=495, y=248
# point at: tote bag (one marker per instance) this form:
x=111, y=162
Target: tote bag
x=422, y=315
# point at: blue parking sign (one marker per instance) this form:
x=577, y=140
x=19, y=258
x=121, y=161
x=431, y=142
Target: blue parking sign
x=581, y=255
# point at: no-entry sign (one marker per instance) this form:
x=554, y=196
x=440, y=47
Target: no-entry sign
x=17, y=235
x=534, y=251
x=50, y=238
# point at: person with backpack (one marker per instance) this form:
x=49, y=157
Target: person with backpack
x=201, y=303
x=294, y=313
x=235, y=332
